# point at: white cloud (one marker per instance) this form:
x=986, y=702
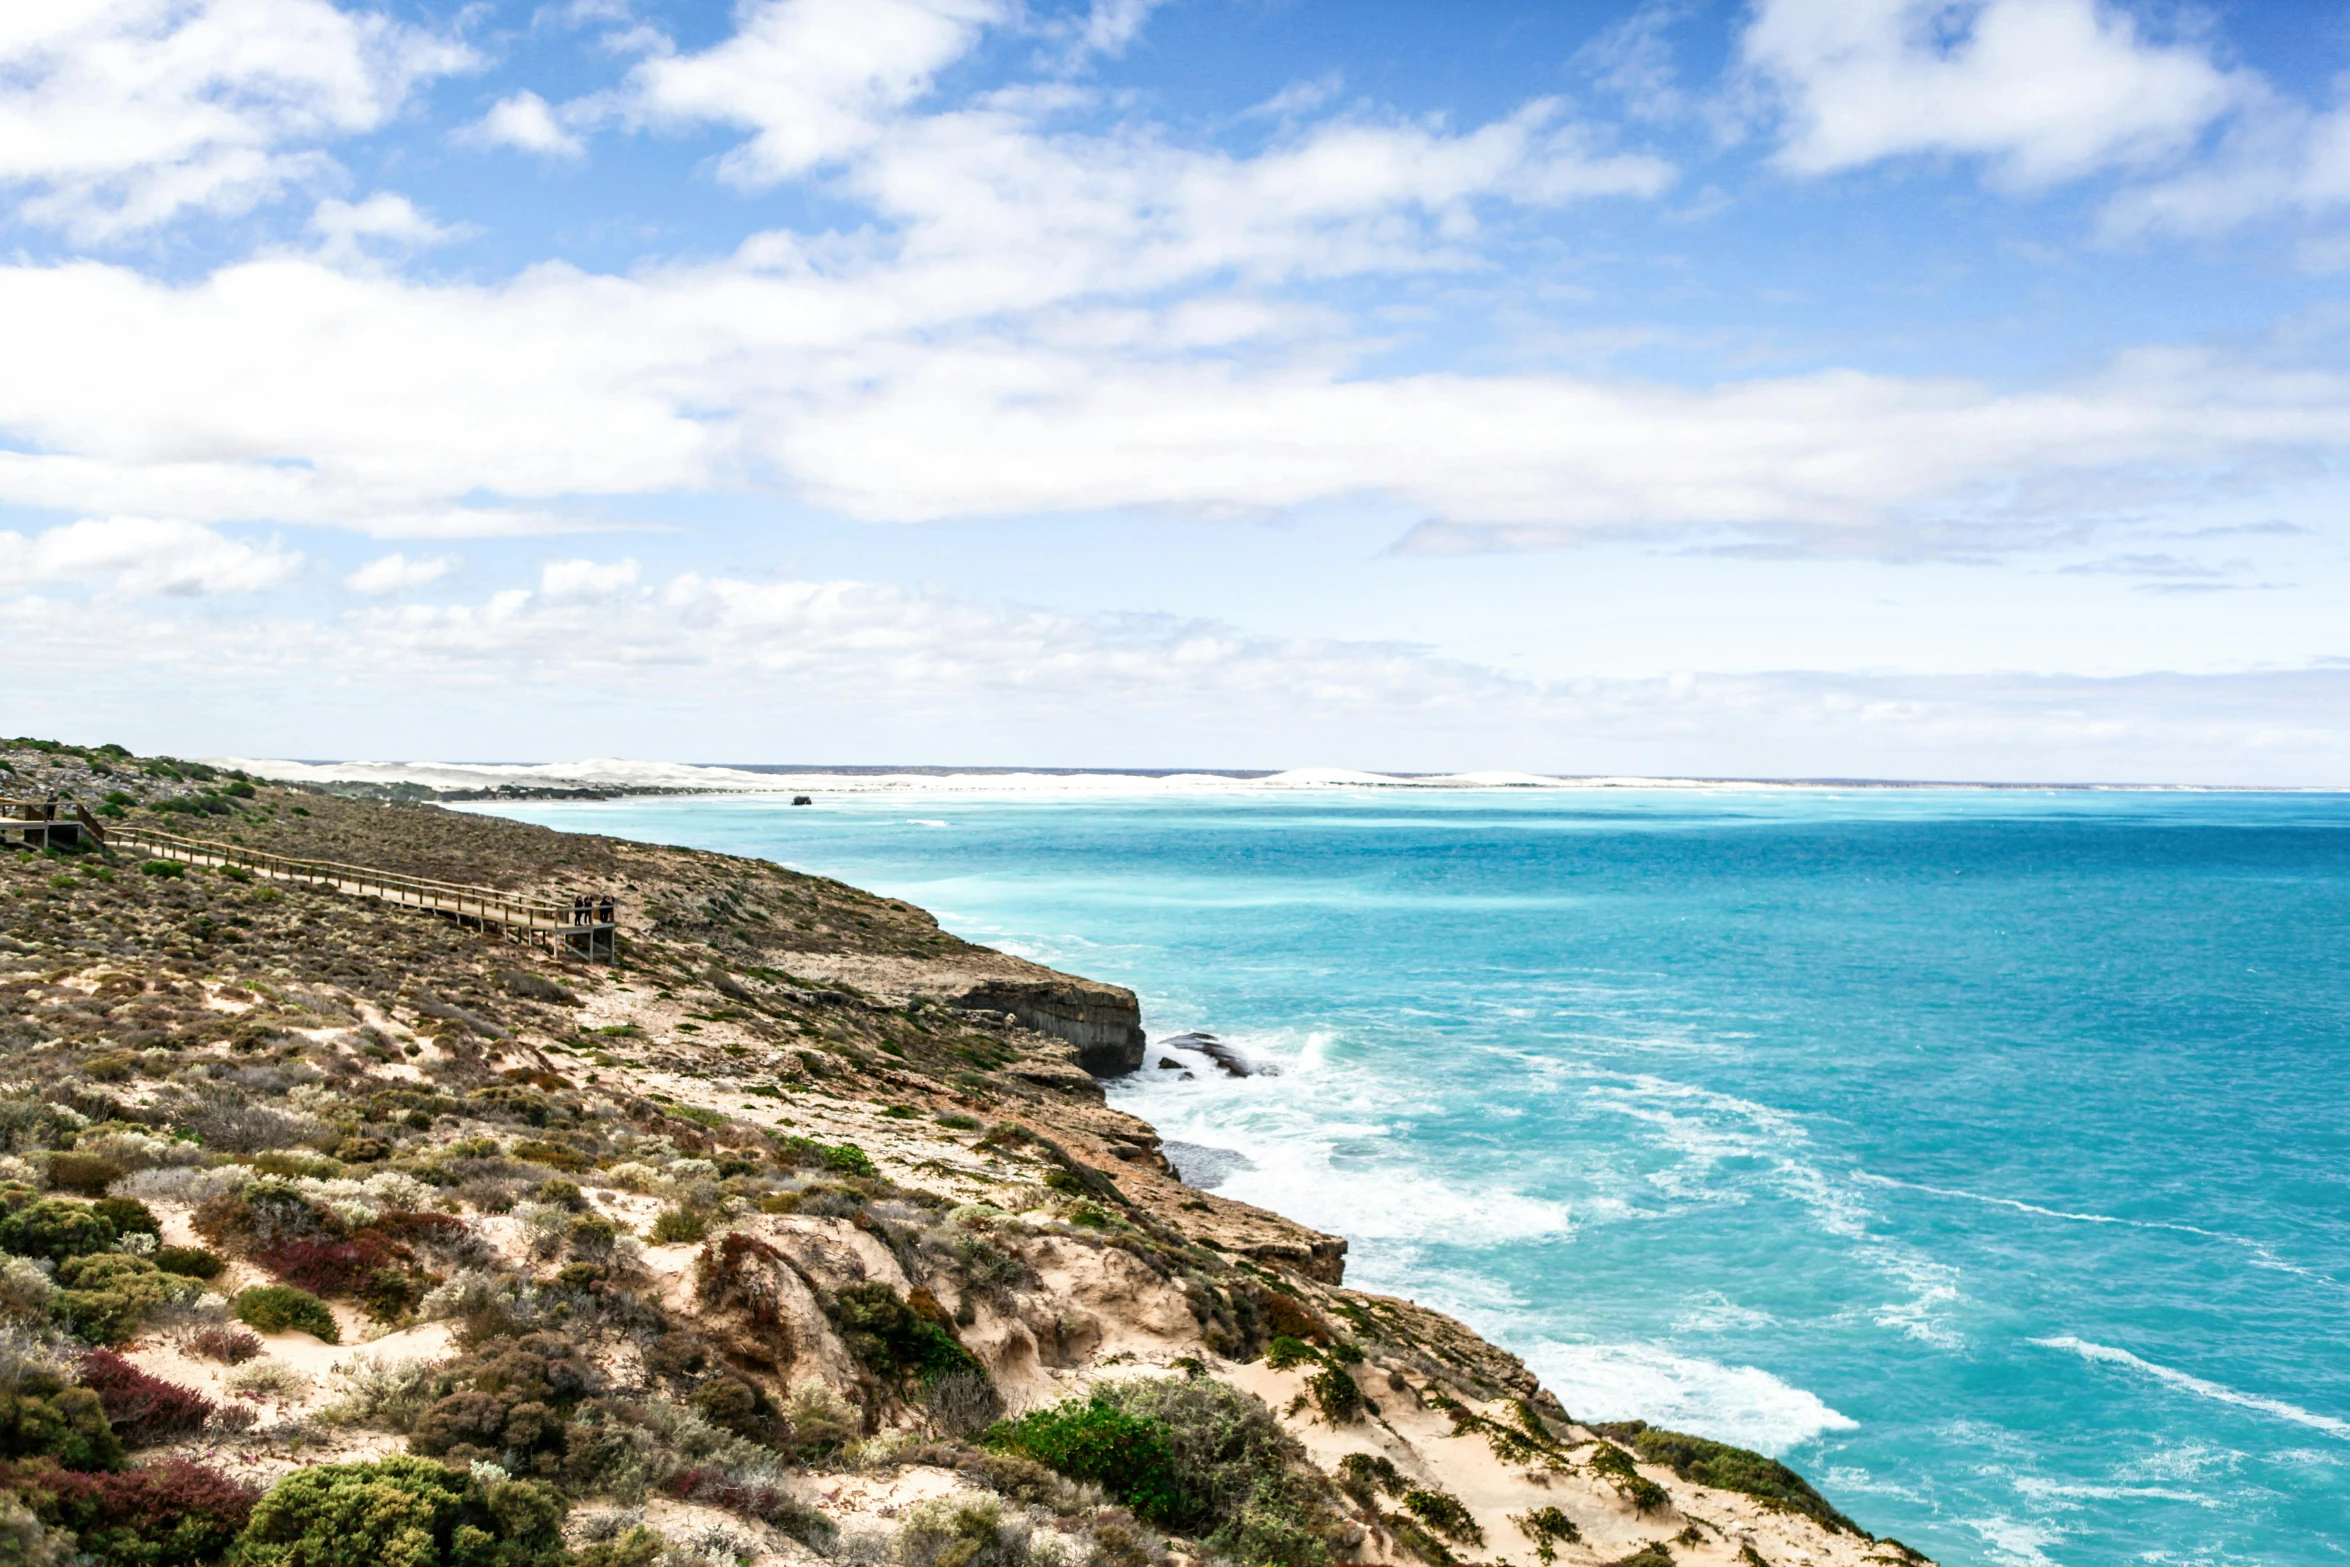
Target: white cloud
x=2278, y=156
x=815, y=80
x=396, y=573
x=2046, y=90
x=522, y=121
x=1108, y=29
x=118, y=115
x=899, y=391
x=1040, y=320
x=148, y=555
x=385, y=221
x=793, y=670
x=585, y=581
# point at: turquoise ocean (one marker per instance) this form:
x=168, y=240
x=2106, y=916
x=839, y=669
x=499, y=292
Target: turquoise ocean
x=1985, y=1154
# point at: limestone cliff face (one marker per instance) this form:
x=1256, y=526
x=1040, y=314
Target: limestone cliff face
x=1103, y=1022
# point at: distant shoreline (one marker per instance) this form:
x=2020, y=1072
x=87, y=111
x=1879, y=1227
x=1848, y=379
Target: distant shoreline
x=614, y=778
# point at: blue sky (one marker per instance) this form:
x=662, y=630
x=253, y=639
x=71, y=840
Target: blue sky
x=1944, y=388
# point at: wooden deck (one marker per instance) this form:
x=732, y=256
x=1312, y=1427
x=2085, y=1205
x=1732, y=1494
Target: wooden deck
x=42, y=824
x=542, y=922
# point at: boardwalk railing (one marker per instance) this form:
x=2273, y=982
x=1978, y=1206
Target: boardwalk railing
x=591, y=933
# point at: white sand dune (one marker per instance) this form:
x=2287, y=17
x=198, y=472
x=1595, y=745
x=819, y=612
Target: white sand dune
x=625, y=773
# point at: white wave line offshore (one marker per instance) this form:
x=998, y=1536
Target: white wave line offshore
x=2106, y=1354
x=2262, y=1255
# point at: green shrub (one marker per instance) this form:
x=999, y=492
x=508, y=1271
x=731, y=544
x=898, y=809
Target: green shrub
x=43, y=1417
x=83, y=1173
x=1284, y=1352
x=55, y=1229
x=161, y=868
x=1730, y=1468
x=896, y=1342
x=1612, y=1464
x=840, y=1158
x=278, y=1308
x=402, y=1512
x=675, y=1226
x=190, y=1262
x=1131, y=1457
x=105, y=1295
x=128, y=1215
x=639, y=1547
x=592, y=1237
x=241, y=789
x=515, y=1402
x=1364, y=1475
x=1548, y=1528
x=1443, y=1512
x=1252, y=1494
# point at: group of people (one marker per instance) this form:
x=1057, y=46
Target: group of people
x=592, y=911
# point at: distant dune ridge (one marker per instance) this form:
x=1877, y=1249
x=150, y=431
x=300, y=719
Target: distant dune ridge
x=620, y=773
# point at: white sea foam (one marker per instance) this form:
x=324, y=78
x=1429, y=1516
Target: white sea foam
x=2060, y=1492
x=2016, y=1542
x=1715, y=1312
x=1741, y=1404
x=1326, y=1151
x=2106, y=1354
x=2262, y=1255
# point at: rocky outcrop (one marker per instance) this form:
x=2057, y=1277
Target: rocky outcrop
x=1102, y=1022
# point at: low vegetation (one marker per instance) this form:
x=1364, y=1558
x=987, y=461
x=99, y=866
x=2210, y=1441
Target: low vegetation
x=675, y=1246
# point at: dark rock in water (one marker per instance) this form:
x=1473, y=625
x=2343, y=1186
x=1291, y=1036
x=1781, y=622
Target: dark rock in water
x=1221, y=1053
x=1205, y=1167
x=801, y=799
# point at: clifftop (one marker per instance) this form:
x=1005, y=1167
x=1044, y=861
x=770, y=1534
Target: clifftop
x=803, y=1230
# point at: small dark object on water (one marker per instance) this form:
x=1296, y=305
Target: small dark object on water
x=801, y=799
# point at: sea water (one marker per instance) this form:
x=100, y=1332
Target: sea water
x=1984, y=1154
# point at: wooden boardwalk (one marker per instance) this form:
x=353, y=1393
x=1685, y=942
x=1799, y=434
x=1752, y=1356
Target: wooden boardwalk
x=591, y=934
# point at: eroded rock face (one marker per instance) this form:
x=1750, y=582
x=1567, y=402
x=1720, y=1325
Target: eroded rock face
x=1104, y=1022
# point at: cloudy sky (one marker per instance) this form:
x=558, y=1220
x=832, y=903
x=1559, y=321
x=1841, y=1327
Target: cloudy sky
x=1943, y=388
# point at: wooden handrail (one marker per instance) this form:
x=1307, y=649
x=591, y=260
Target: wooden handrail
x=485, y=904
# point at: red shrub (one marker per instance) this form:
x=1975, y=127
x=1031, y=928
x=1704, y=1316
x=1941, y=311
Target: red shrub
x=170, y=1514
x=222, y=1341
x=329, y=1267
x=142, y=1409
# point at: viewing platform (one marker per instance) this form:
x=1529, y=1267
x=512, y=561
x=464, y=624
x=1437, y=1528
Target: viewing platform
x=46, y=824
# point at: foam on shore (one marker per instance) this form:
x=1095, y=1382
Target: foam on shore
x=1744, y=1405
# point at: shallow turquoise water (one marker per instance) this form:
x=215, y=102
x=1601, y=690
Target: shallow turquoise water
x=1985, y=1154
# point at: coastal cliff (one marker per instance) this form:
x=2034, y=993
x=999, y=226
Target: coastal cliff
x=803, y=1231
